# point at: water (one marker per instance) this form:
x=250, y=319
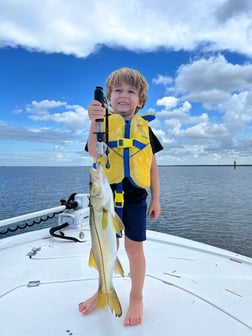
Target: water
x=210, y=204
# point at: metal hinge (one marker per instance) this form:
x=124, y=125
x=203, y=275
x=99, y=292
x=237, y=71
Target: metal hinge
x=33, y=283
x=33, y=252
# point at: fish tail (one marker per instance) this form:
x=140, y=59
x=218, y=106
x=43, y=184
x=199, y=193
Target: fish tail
x=111, y=299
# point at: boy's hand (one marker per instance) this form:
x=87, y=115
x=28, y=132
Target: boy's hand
x=96, y=110
x=154, y=210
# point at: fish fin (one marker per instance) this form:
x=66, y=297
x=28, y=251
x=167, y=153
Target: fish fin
x=118, y=267
x=111, y=299
x=118, y=225
x=104, y=219
x=91, y=261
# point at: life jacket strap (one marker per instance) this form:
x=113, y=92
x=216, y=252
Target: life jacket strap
x=126, y=143
x=119, y=199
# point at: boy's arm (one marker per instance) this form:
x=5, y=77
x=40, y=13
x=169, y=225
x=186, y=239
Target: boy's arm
x=154, y=208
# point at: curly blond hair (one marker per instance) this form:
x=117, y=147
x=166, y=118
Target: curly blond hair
x=131, y=77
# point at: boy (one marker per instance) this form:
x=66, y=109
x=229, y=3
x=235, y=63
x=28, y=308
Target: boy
x=126, y=90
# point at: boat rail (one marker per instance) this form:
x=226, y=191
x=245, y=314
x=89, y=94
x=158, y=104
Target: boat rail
x=72, y=214
x=31, y=215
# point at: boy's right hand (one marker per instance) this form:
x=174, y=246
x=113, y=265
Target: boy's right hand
x=96, y=110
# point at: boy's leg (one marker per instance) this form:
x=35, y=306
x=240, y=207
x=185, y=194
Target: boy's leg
x=137, y=263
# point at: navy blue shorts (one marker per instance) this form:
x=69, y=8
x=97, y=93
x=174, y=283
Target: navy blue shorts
x=134, y=219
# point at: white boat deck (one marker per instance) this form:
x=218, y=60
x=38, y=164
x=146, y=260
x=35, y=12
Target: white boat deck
x=190, y=289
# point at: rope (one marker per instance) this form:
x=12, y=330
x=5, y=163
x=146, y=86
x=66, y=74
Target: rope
x=27, y=225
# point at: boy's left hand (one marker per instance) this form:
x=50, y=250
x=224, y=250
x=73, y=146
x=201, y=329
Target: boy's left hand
x=154, y=210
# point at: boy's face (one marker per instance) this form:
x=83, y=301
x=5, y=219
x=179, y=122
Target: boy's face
x=124, y=100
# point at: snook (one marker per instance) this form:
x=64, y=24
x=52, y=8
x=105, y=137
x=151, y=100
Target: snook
x=104, y=224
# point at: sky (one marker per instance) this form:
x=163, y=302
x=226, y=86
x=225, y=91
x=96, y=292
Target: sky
x=196, y=56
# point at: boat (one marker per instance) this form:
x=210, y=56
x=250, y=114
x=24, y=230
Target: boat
x=190, y=288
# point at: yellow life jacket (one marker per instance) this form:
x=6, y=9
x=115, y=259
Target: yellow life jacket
x=130, y=153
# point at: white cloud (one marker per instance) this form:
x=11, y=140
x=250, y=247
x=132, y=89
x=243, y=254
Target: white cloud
x=41, y=134
x=212, y=80
x=164, y=80
x=238, y=111
x=79, y=27
x=204, y=130
x=168, y=102
x=72, y=126
x=233, y=9
x=73, y=117
x=224, y=93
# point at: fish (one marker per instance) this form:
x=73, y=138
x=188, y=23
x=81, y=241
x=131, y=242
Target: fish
x=104, y=224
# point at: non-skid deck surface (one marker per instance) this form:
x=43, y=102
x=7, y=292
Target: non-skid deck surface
x=188, y=290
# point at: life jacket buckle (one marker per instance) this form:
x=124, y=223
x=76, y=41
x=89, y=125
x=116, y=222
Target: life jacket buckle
x=119, y=199
x=125, y=143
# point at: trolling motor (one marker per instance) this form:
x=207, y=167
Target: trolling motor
x=74, y=219
x=102, y=137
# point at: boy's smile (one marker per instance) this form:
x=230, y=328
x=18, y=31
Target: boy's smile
x=125, y=100
x=123, y=104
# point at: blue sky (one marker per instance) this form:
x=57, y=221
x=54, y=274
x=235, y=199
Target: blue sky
x=198, y=67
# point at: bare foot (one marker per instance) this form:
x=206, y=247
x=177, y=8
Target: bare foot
x=86, y=307
x=134, y=314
